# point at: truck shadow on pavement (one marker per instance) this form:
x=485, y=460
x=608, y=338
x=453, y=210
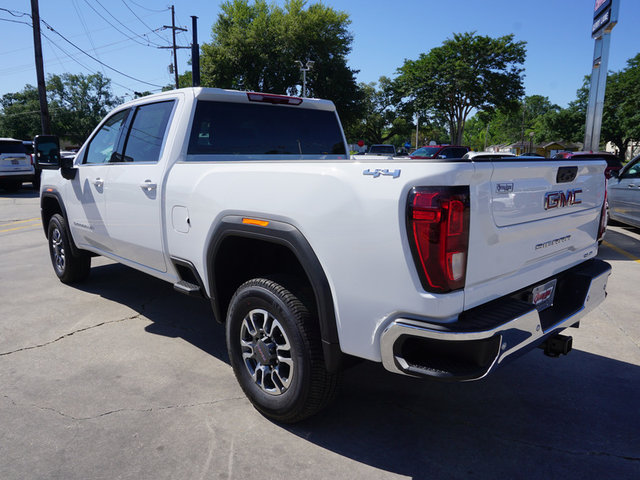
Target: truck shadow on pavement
x=572, y=417
x=172, y=314
x=22, y=193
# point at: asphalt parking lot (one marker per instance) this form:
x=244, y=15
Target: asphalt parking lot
x=124, y=378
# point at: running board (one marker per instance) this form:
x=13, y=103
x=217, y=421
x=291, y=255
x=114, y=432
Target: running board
x=188, y=288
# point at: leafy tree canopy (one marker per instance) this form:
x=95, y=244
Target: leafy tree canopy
x=255, y=45
x=467, y=72
x=77, y=103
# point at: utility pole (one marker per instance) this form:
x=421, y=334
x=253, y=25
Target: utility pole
x=195, y=53
x=174, y=47
x=45, y=121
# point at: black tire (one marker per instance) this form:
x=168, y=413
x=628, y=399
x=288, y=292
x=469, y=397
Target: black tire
x=36, y=180
x=12, y=186
x=279, y=365
x=70, y=267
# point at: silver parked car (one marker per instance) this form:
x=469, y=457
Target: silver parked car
x=624, y=194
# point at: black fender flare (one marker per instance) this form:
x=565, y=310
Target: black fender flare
x=287, y=235
x=54, y=194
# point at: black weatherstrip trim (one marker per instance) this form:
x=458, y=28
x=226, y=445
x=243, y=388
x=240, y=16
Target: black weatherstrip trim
x=288, y=236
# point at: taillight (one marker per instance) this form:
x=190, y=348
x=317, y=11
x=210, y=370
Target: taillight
x=438, y=227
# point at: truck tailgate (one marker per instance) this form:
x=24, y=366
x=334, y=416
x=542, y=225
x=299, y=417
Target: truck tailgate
x=531, y=220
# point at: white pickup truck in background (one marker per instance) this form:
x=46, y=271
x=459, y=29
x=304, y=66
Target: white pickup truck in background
x=443, y=268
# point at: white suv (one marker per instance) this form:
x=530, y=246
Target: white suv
x=15, y=164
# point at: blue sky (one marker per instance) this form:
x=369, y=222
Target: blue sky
x=557, y=32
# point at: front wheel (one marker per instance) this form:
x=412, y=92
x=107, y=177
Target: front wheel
x=70, y=267
x=274, y=347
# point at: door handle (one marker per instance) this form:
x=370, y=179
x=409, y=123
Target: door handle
x=148, y=186
x=98, y=183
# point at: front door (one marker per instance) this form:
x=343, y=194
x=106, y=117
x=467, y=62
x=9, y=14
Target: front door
x=86, y=208
x=134, y=193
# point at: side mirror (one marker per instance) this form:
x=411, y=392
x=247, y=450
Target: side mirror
x=47, y=152
x=614, y=173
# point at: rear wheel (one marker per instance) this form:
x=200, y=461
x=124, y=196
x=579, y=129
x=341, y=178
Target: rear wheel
x=70, y=267
x=274, y=347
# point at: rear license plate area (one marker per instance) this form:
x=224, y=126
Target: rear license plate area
x=542, y=296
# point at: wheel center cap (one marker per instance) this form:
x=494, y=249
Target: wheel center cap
x=265, y=353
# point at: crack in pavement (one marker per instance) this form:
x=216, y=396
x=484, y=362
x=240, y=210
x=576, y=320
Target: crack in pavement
x=570, y=452
x=120, y=410
x=80, y=330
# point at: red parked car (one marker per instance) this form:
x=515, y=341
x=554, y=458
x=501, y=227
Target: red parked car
x=440, y=151
x=613, y=162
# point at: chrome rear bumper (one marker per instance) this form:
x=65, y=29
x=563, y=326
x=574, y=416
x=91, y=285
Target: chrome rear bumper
x=487, y=336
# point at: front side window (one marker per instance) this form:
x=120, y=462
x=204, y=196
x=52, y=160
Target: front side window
x=104, y=142
x=633, y=171
x=147, y=132
x=256, y=129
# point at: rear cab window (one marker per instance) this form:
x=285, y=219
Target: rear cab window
x=259, y=131
x=9, y=146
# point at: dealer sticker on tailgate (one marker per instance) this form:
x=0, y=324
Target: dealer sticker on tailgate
x=542, y=295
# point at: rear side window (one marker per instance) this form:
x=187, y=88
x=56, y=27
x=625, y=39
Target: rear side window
x=258, y=129
x=147, y=132
x=11, y=147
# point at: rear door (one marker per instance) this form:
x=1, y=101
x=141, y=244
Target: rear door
x=134, y=184
x=624, y=194
x=532, y=219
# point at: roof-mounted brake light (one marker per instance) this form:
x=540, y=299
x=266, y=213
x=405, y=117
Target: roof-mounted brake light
x=274, y=99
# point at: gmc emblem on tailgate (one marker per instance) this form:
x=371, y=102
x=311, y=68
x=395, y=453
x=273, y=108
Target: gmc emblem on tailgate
x=562, y=199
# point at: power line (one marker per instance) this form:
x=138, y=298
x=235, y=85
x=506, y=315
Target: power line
x=123, y=33
x=15, y=21
x=95, y=59
x=22, y=14
x=148, y=9
x=84, y=25
x=142, y=22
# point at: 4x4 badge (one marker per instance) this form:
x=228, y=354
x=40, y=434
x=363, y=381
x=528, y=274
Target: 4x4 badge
x=378, y=171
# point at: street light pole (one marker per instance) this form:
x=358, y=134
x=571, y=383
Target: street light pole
x=304, y=69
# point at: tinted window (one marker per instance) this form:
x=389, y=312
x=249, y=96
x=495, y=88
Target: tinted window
x=386, y=149
x=11, y=147
x=104, y=142
x=426, y=152
x=147, y=132
x=633, y=171
x=458, y=152
x=261, y=129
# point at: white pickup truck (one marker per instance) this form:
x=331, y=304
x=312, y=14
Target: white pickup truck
x=442, y=268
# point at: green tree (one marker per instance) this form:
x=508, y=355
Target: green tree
x=381, y=121
x=20, y=114
x=621, y=116
x=467, y=72
x=78, y=103
x=255, y=46
x=506, y=126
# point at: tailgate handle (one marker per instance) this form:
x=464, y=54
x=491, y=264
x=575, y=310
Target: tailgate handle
x=566, y=174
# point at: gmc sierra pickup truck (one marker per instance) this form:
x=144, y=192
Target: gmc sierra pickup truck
x=439, y=268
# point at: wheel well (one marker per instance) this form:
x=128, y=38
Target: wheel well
x=49, y=206
x=240, y=259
